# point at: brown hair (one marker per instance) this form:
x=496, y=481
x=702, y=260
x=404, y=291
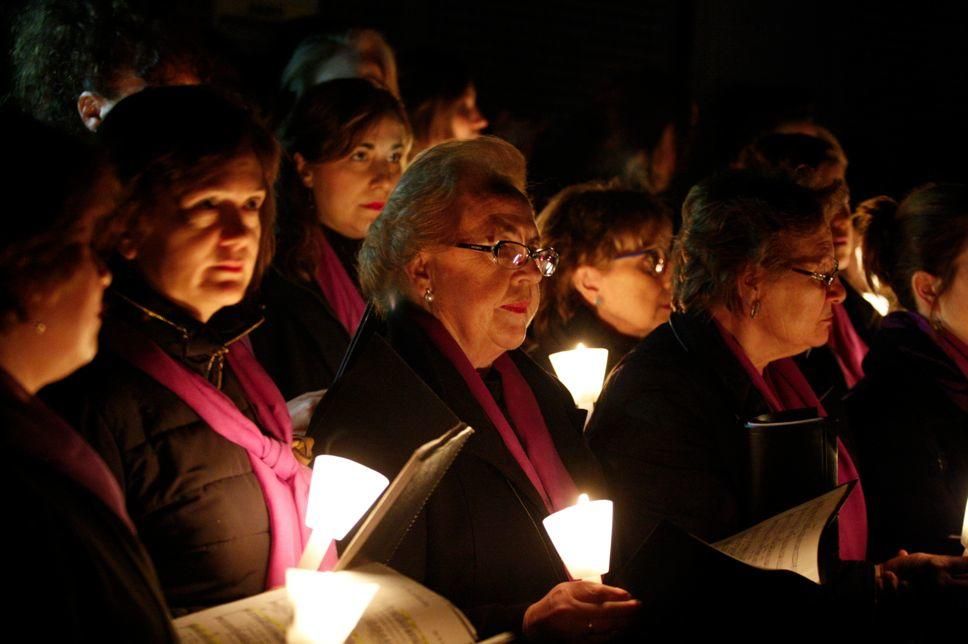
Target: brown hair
x=165, y=141
x=327, y=123
x=926, y=232
x=732, y=221
x=45, y=228
x=589, y=224
x=420, y=212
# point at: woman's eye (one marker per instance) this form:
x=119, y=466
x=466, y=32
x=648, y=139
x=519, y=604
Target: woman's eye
x=206, y=204
x=255, y=203
x=396, y=157
x=360, y=155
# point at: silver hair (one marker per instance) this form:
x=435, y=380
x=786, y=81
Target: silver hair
x=421, y=211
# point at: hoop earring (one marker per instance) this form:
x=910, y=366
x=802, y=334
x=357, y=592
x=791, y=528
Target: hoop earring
x=754, y=310
x=40, y=328
x=429, y=296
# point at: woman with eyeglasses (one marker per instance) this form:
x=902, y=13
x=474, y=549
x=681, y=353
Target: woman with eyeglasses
x=754, y=285
x=611, y=288
x=453, y=265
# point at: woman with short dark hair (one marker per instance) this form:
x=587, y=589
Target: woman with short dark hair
x=187, y=419
x=74, y=556
x=755, y=282
x=611, y=288
x=910, y=412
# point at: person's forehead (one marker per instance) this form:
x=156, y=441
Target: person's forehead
x=496, y=214
x=816, y=247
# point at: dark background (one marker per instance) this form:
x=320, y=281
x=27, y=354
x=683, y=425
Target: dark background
x=888, y=79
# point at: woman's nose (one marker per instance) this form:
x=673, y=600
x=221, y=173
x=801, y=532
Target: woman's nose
x=836, y=292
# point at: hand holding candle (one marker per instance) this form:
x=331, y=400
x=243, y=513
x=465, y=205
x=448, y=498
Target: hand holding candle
x=340, y=493
x=582, y=371
x=582, y=534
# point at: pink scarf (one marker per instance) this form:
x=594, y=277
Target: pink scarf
x=526, y=436
x=784, y=387
x=336, y=285
x=283, y=480
x=848, y=347
x=57, y=444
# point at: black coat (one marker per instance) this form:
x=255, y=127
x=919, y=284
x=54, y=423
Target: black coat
x=479, y=541
x=912, y=444
x=302, y=342
x=74, y=569
x=191, y=493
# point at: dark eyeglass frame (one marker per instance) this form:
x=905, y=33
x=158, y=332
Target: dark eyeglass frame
x=660, y=258
x=550, y=261
x=827, y=279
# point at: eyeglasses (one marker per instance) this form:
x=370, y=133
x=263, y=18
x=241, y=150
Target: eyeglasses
x=512, y=255
x=827, y=279
x=655, y=259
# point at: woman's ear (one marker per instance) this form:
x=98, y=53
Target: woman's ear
x=587, y=280
x=749, y=286
x=419, y=273
x=303, y=170
x=925, y=287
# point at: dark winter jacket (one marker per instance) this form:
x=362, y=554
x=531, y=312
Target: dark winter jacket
x=191, y=493
x=912, y=444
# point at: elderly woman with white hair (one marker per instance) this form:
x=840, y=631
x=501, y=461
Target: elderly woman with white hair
x=452, y=266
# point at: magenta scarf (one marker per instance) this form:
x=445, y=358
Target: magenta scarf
x=784, y=388
x=848, y=347
x=56, y=443
x=336, y=285
x=283, y=480
x=526, y=436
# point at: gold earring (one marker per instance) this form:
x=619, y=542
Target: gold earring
x=754, y=310
x=429, y=296
x=40, y=328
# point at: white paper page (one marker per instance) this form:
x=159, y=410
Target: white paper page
x=788, y=541
x=261, y=618
x=402, y=611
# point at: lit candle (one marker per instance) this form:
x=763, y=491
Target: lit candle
x=582, y=371
x=326, y=605
x=964, y=531
x=340, y=493
x=582, y=534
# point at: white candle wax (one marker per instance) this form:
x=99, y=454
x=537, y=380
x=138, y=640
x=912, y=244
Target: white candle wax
x=582, y=534
x=326, y=605
x=582, y=371
x=964, y=531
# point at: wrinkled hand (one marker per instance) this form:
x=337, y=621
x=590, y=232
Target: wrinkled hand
x=580, y=610
x=301, y=410
x=921, y=571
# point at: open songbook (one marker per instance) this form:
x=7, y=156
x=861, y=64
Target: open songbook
x=760, y=584
x=401, y=610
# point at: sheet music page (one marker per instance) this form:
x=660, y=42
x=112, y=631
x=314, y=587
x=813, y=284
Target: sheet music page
x=402, y=611
x=789, y=540
x=260, y=618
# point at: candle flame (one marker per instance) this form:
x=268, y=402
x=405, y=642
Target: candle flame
x=582, y=498
x=580, y=345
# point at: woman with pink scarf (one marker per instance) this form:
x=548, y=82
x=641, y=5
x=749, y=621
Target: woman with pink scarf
x=189, y=423
x=755, y=284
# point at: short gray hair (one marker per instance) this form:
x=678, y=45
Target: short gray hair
x=421, y=211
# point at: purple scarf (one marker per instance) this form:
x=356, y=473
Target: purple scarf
x=336, y=285
x=848, y=347
x=957, y=351
x=56, y=443
x=784, y=387
x=526, y=436
x=283, y=480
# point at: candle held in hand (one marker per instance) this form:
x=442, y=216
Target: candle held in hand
x=582, y=371
x=582, y=534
